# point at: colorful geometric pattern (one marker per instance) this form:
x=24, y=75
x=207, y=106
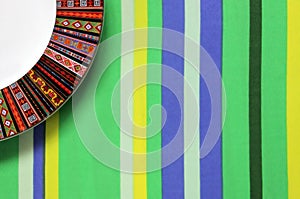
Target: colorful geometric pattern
x=24, y=104
x=75, y=44
x=51, y=161
x=72, y=54
x=79, y=14
x=74, y=24
x=34, y=97
x=83, y=36
x=1, y=133
x=82, y=4
x=6, y=120
x=66, y=62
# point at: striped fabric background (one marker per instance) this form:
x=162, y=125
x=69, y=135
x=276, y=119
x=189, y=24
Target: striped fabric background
x=255, y=45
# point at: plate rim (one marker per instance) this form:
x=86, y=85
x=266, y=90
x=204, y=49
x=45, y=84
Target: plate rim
x=101, y=11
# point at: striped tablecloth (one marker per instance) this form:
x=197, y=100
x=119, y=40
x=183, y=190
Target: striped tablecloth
x=150, y=98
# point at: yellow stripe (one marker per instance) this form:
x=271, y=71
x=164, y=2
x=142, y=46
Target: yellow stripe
x=51, y=157
x=140, y=101
x=293, y=98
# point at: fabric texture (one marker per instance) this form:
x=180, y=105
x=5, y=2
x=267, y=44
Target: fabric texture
x=179, y=130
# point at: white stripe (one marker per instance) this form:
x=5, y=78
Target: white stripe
x=126, y=106
x=191, y=95
x=26, y=165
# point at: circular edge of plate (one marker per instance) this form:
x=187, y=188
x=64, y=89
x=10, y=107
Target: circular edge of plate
x=24, y=109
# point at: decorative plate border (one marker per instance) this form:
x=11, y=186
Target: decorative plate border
x=53, y=79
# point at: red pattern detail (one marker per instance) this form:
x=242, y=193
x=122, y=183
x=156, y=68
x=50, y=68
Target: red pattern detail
x=49, y=92
x=27, y=110
x=65, y=22
x=54, y=79
x=19, y=110
x=66, y=62
x=62, y=72
x=80, y=14
x=14, y=110
x=90, y=4
x=77, y=24
x=88, y=26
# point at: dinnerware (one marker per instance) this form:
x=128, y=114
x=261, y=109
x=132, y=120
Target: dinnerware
x=60, y=70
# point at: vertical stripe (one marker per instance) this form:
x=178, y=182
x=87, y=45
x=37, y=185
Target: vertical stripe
x=80, y=174
x=26, y=165
x=255, y=98
x=274, y=146
x=191, y=84
x=126, y=90
x=235, y=73
x=211, y=40
x=39, y=161
x=173, y=185
x=89, y=178
x=51, y=157
x=293, y=98
x=9, y=160
x=154, y=185
x=140, y=101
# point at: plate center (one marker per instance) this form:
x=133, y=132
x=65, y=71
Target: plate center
x=26, y=28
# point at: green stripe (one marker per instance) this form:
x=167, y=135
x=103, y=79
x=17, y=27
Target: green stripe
x=191, y=96
x=80, y=174
x=274, y=147
x=255, y=98
x=154, y=184
x=26, y=153
x=9, y=164
x=236, y=76
x=126, y=142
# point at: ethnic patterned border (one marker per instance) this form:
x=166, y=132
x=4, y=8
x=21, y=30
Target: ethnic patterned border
x=52, y=80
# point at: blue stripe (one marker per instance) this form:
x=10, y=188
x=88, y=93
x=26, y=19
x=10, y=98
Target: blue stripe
x=211, y=40
x=173, y=175
x=39, y=161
